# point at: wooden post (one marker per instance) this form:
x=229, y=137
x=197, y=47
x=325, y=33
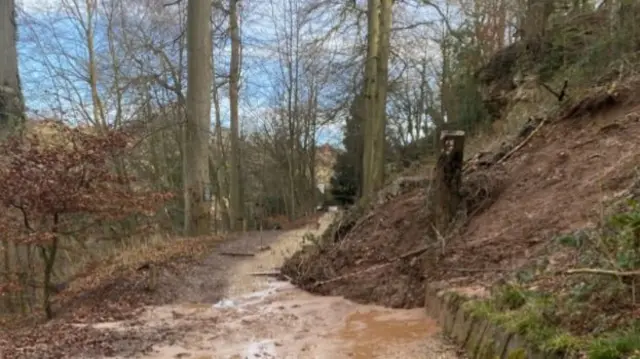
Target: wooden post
x=445, y=197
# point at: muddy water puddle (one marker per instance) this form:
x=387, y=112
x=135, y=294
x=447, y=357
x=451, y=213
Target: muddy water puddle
x=375, y=331
x=263, y=318
x=282, y=321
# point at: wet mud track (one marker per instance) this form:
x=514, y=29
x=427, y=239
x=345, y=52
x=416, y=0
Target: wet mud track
x=260, y=317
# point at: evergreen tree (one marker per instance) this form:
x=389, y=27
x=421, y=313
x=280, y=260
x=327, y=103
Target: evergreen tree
x=347, y=177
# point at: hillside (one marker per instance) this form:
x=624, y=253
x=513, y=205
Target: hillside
x=549, y=220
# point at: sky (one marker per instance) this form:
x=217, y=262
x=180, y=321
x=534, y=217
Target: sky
x=260, y=67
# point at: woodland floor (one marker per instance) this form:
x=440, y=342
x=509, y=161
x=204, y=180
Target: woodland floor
x=215, y=308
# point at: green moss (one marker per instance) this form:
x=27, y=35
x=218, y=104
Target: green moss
x=455, y=300
x=530, y=319
x=481, y=309
x=517, y=354
x=564, y=342
x=531, y=322
x=622, y=344
x=542, y=319
x=511, y=297
x=486, y=350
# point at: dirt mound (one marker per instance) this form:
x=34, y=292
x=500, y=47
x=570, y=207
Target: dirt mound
x=377, y=256
x=551, y=180
x=378, y=239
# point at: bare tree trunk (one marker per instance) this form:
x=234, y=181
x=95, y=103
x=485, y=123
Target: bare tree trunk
x=376, y=83
x=370, y=92
x=311, y=130
x=380, y=122
x=235, y=201
x=196, y=130
x=11, y=105
x=98, y=112
x=49, y=258
x=445, y=196
x=220, y=174
x=294, y=82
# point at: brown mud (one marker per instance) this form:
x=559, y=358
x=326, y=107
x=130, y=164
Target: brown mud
x=555, y=183
x=235, y=314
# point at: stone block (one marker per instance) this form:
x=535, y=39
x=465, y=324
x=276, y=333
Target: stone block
x=495, y=342
x=480, y=338
x=476, y=334
x=461, y=326
x=449, y=317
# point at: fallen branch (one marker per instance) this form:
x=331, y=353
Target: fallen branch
x=415, y=252
x=352, y=274
x=477, y=270
x=521, y=144
x=273, y=273
x=236, y=254
x=362, y=220
x=412, y=253
x=614, y=273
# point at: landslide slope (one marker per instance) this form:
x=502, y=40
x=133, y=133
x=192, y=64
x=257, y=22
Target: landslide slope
x=555, y=174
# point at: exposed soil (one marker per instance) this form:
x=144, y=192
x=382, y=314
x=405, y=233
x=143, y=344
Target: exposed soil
x=554, y=184
x=392, y=230
x=557, y=183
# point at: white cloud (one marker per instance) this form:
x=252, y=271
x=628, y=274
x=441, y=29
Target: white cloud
x=33, y=6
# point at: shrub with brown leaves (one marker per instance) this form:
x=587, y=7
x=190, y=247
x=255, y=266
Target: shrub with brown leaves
x=66, y=185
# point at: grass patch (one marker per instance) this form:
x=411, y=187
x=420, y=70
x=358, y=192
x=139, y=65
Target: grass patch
x=528, y=313
x=536, y=316
x=591, y=312
x=623, y=344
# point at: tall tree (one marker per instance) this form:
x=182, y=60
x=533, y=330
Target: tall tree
x=235, y=191
x=196, y=129
x=375, y=92
x=370, y=90
x=11, y=105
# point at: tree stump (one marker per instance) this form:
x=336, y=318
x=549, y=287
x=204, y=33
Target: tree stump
x=445, y=196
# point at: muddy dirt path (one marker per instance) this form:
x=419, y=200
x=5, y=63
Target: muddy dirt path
x=261, y=317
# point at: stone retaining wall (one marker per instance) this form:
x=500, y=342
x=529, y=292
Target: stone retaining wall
x=480, y=338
